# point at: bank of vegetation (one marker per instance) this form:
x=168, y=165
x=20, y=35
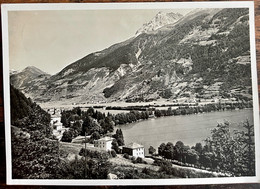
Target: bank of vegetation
x=224, y=151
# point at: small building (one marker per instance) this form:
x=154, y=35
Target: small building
x=134, y=149
x=55, y=122
x=104, y=143
x=57, y=126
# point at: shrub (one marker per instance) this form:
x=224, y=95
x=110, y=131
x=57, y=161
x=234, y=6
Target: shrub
x=67, y=136
x=146, y=171
x=159, y=162
x=113, y=153
x=94, y=154
x=139, y=160
x=126, y=156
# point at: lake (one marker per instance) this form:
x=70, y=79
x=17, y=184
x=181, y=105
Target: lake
x=190, y=129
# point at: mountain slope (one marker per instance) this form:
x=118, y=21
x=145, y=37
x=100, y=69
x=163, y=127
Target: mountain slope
x=28, y=77
x=31, y=133
x=205, y=54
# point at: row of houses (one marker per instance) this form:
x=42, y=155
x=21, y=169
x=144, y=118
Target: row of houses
x=132, y=149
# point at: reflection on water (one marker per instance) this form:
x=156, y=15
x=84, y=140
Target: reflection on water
x=189, y=129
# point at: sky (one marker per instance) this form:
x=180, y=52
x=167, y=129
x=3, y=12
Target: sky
x=51, y=40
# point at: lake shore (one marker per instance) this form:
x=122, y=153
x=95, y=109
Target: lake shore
x=190, y=129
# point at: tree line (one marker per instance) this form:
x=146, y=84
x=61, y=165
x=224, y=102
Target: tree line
x=186, y=110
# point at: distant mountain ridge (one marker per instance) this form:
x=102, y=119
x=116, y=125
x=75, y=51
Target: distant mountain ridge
x=28, y=77
x=205, y=54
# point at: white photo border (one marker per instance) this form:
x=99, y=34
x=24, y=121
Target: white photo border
x=111, y=6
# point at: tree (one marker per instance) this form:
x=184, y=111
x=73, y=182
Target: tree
x=151, y=150
x=161, y=149
x=76, y=126
x=99, y=116
x=248, y=149
x=205, y=159
x=115, y=146
x=64, y=120
x=198, y=148
x=113, y=153
x=185, y=153
x=119, y=137
x=168, y=151
x=87, y=125
x=107, y=124
x=90, y=111
x=226, y=149
x=120, y=141
x=38, y=157
x=78, y=111
x=192, y=156
x=95, y=136
x=67, y=136
x=178, y=151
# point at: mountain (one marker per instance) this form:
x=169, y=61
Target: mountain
x=27, y=78
x=13, y=71
x=160, y=20
x=204, y=55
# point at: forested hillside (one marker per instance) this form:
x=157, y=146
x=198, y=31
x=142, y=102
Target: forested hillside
x=34, y=154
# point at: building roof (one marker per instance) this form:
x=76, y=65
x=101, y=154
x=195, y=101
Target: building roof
x=105, y=139
x=133, y=145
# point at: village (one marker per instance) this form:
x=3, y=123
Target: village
x=104, y=143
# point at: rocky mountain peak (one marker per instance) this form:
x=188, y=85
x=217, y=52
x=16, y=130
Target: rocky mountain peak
x=13, y=71
x=161, y=19
x=33, y=70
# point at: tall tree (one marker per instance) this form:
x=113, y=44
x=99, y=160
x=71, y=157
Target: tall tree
x=151, y=150
x=168, y=151
x=248, y=148
x=161, y=149
x=227, y=149
x=119, y=137
x=115, y=146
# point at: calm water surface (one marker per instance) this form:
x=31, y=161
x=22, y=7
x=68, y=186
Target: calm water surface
x=189, y=129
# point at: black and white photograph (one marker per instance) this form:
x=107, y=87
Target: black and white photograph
x=130, y=93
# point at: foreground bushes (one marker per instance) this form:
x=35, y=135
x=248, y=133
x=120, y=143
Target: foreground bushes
x=224, y=151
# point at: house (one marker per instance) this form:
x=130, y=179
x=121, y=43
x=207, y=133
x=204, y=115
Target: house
x=56, y=122
x=104, y=143
x=57, y=126
x=134, y=149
